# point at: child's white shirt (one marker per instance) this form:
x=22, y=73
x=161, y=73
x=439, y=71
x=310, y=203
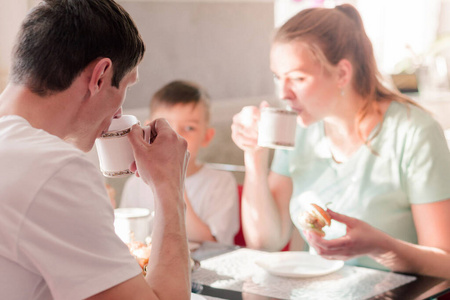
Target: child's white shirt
x=212, y=193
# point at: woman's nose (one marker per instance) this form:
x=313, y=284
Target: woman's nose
x=284, y=89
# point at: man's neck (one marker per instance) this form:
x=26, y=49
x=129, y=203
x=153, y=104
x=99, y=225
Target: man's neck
x=41, y=112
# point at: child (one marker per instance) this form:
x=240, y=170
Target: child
x=212, y=212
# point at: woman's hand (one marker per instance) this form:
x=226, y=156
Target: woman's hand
x=360, y=239
x=245, y=127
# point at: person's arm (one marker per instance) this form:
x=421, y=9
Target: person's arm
x=265, y=198
x=197, y=230
x=162, y=165
x=430, y=257
x=220, y=205
x=265, y=210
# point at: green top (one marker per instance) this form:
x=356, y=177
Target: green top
x=408, y=162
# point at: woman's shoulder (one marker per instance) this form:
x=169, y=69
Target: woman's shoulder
x=408, y=126
x=409, y=115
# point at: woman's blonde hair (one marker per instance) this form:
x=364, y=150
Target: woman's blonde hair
x=336, y=34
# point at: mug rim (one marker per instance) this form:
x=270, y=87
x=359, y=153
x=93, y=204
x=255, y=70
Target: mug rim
x=115, y=133
x=278, y=110
x=122, y=131
x=116, y=174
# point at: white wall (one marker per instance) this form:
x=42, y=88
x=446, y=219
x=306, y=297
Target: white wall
x=11, y=14
x=394, y=25
x=223, y=45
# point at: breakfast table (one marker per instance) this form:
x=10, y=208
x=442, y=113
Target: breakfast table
x=231, y=272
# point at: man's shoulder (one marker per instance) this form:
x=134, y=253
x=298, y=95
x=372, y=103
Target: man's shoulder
x=26, y=148
x=21, y=136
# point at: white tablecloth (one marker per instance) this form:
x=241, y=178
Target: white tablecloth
x=237, y=271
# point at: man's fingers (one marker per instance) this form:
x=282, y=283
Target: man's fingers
x=136, y=136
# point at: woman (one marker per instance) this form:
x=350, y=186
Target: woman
x=380, y=159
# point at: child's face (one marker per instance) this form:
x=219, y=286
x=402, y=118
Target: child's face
x=189, y=121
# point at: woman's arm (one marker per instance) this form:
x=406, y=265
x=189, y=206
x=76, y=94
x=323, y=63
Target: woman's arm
x=265, y=210
x=432, y=222
x=265, y=198
x=430, y=257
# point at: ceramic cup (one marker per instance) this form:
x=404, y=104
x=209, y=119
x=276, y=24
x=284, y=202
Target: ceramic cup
x=113, y=148
x=276, y=128
x=133, y=224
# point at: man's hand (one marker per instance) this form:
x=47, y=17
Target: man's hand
x=164, y=160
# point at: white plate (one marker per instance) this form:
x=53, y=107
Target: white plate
x=197, y=297
x=298, y=264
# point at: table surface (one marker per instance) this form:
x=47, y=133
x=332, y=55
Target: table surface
x=424, y=287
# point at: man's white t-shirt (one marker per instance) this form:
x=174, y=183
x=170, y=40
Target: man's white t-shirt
x=57, y=238
x=212, y=193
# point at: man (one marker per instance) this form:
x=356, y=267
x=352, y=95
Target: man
x=72, y=64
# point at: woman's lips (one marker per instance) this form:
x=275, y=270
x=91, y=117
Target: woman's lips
x=297, y=110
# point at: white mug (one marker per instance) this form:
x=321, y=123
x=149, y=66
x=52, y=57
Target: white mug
x=113, y=148
x=133, y=224
x=276, y=128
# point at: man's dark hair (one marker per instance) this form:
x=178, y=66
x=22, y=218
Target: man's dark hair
x=59, y=38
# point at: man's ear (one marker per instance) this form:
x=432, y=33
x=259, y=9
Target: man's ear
x=210, y=132
x=102, y=70
x=344, y=72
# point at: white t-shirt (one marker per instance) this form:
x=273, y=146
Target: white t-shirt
x=213, y=195
x=57, y=237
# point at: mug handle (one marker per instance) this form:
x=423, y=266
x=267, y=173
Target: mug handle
x=147, y=133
